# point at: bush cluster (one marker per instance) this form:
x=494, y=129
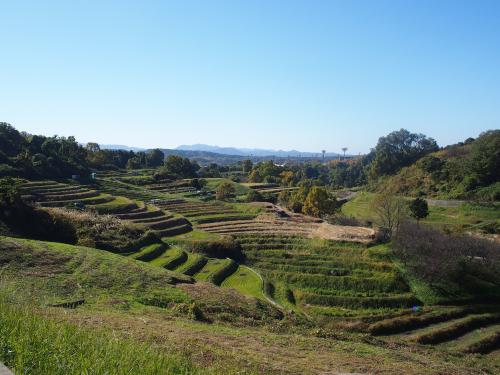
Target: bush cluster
x=226, y=247
x=441, y=259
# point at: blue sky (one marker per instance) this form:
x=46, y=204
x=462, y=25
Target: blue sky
x=305, y=75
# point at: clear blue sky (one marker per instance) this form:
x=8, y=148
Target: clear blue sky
x=307, y=75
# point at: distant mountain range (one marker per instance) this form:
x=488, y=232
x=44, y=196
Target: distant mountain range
x=205, y=154
x=251, y=151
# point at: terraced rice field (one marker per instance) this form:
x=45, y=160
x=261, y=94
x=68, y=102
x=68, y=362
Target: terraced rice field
x=473, y=329
x=202, y=212
x=327, y=277
x=56, y=194
x=263, y=188
x=164, y=224
x=297, y=225
x=172, y=187
x=116, y=187
x=216, y=270
x=170, y=259
x=246, y=281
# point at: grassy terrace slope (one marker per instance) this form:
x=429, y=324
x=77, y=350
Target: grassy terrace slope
x=206, y=212
x=55, y=194
x=327, y=277
x=472, y=329
x=49, y=193
x=167, y=324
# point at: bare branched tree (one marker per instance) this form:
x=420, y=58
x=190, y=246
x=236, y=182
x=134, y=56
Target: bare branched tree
x=389, y=210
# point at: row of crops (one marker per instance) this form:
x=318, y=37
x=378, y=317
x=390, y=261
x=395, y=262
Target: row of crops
x=203, y=212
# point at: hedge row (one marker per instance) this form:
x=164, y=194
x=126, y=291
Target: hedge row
x=408, y=323
x=219, y=276
x=225, y=247
x=458, y=329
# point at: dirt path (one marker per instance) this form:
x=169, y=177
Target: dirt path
x=445, y=202
x=268, y=299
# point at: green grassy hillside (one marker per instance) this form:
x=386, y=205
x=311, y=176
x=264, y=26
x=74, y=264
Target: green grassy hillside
x=459, y=215
x=142, y=318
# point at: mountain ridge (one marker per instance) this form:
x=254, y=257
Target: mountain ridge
x=250, y=151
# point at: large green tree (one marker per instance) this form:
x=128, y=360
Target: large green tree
x=155, y=157
x=484, y=161
x=399, y=149
x=419, y=209
x=225, y=190
x=319, y=202
x=181, y=167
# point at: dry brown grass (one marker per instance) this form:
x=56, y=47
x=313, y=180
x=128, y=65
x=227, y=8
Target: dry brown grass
x=295, y=224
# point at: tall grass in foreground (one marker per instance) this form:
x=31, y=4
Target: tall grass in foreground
x=30, y=344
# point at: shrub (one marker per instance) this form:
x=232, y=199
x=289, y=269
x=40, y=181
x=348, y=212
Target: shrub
x=290, y=296
x=102, y=231
x=226, y=247
x=253, y=196
x=225, y=190
x=440, y=258
x=269, y=289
